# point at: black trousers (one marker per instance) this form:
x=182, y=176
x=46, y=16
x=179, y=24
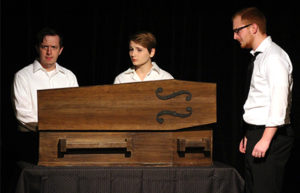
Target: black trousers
x=265, y=175
x=27, y=149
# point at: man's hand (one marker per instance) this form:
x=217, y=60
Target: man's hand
x=261, y=147
x=243, y=145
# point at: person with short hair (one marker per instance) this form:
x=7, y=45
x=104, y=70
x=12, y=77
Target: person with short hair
x=269, y=136
x=142, y=48
x=43, y=73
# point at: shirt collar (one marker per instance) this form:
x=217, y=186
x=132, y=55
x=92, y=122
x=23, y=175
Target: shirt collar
x=154, y=67
x=37, y=66
x=263, y=45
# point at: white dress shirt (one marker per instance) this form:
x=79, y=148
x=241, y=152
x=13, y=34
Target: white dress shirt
x=269, y=98
x=32, y=78
x=155, y=73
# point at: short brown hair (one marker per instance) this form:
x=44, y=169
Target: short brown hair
x=144, y=38
x=47, y=31
x=253, y=15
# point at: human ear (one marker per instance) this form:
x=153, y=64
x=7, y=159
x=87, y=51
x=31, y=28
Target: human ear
x=61, y=49
x=152, y=53
x=254, y=28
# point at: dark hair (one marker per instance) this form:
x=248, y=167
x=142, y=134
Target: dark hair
x=253, y=15
x=47, y=32
x=144, y=38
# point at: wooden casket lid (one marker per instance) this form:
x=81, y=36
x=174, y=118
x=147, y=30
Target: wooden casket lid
x=152, y=105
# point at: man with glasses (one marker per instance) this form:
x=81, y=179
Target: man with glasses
x=269, y=137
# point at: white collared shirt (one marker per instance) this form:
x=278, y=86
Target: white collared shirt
x=269, y=98
x=155, y=73
x=32, y=78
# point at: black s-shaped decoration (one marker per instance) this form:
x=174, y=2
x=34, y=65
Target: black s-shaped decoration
x=173, y=113
x=173, y=95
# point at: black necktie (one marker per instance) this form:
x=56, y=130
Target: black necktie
x=249, y=75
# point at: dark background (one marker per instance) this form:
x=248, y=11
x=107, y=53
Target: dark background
x=195, y=42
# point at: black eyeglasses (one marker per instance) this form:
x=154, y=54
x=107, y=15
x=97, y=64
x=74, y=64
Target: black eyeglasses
x=237, y=30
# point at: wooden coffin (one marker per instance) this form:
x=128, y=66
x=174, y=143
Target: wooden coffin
x=155, y=123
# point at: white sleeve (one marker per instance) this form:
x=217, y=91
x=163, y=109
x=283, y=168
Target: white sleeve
x=22, y=100
x=73, y=80
x=279, y=84
x=117, y=81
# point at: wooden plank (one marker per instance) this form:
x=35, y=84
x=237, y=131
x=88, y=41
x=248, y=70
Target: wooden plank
x=131, y=106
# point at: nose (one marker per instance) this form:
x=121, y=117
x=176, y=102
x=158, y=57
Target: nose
x=132, y=53
x=235, y=35
x=49, y=50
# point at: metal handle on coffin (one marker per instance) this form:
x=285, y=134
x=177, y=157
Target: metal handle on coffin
x=65, y=145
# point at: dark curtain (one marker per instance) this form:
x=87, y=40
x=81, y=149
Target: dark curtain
x=195, y=42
